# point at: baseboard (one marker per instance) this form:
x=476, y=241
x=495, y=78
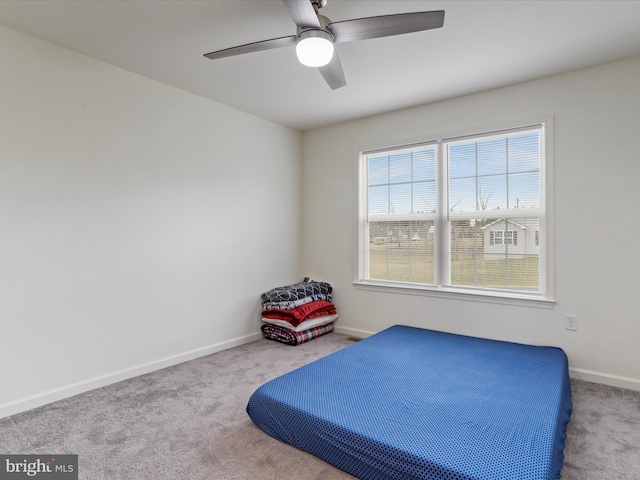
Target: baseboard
x=28, y=403
x=605, y=379
x=352, y=332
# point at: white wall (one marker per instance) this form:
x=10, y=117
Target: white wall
x=597, y=234
x=138, y=223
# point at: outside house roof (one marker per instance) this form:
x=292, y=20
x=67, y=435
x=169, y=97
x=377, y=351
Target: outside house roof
x=523, y=227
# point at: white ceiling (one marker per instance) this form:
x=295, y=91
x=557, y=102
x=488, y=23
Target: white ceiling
x=483, y=45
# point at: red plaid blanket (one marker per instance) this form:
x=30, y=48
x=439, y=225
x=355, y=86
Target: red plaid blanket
x=285, y=335
x=304, y=312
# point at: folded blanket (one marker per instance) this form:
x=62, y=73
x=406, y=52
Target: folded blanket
x=297, y=291
x=290, y=305
x=304, y=312
x=284, y=335
x=306, y=325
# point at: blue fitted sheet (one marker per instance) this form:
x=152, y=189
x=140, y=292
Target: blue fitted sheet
x=410, y=403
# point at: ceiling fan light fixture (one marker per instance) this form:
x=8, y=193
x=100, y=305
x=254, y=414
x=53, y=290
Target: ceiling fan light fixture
x=314, y=48
x=316, y=34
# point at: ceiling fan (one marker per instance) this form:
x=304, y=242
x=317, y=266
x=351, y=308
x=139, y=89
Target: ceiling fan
x=316, y=35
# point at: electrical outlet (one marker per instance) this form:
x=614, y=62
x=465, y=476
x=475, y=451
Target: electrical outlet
x=570, y=322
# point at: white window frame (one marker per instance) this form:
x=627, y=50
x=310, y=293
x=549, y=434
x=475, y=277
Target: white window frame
x=543, y=299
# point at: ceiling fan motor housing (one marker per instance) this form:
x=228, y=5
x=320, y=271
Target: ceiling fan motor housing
x=305, y=32
x=315, y=33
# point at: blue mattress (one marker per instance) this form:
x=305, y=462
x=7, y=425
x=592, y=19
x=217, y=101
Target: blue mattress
x=410, y=403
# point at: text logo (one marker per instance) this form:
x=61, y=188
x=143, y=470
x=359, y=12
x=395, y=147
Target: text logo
x=43, y=467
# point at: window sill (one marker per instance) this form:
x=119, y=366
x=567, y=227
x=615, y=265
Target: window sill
x=501, y=298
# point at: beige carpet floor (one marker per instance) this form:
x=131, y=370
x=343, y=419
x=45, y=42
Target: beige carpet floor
x=188, y=422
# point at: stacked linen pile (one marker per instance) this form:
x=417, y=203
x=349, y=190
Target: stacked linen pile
x=297, y=313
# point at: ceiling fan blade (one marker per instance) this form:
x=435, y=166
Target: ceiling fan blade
x=332, y=72
x=302, y=13
x=253, y=47
x=385, y=25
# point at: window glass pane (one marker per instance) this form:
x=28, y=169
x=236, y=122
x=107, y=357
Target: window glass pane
x=522, y=272
x=492, y=157
x=491, y=272
x=494, y=192
x=491, y=193
x=478, y=173
x=424, y=197
x=422, y=270
x=378, y=170
x=400, y=199
x=462, y=160
x=463, y=269
x=514, y=250
x=424, y=165
x=378, y=233
x=378, y=264
x=524, y=153
x=499, y=254
x=401, y=251
x=462, y=194
x=464, y=236
x=524, y=190
x=422, y=233
x=378, y=200
x=400, y=168
x=399, y=265
x=465, y=240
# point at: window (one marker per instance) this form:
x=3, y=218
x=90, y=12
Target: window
x=461, y=215
x=497, y=237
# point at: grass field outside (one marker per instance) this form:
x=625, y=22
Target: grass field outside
x=413, y=261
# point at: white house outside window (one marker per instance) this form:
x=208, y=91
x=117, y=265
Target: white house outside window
x=463, y=214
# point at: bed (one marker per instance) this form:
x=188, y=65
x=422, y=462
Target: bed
x=410, y=403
